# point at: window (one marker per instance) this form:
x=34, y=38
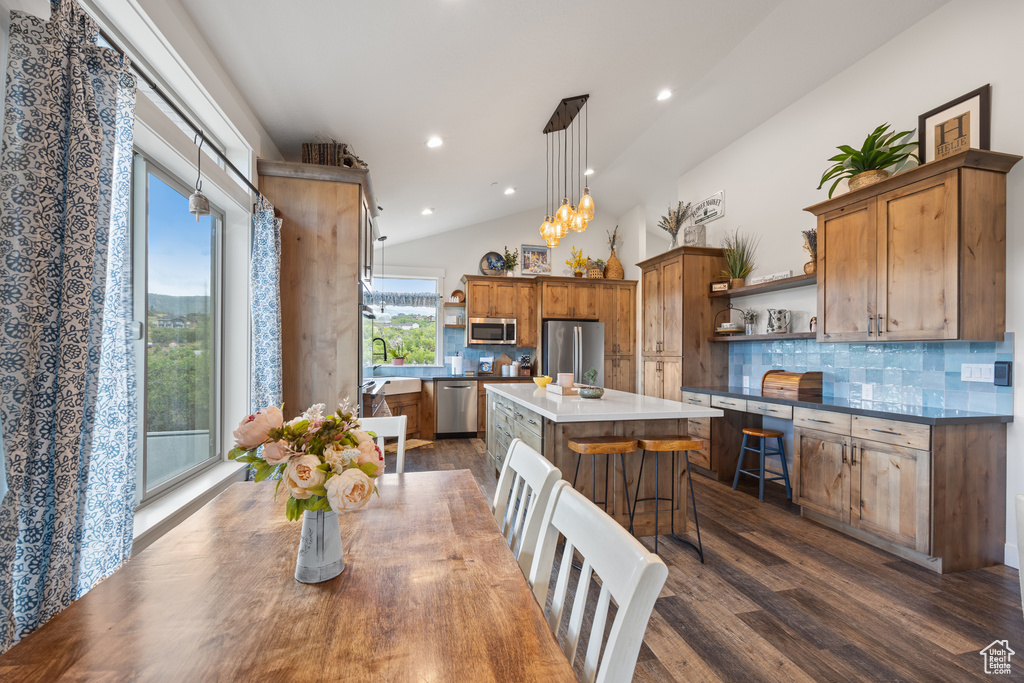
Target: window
x=408, y=322
x=175, y=284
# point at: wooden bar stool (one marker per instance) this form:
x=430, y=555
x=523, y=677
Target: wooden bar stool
x=607, y=446
x=664, y=444
x=763, y=451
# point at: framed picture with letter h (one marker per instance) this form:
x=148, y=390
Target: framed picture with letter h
x=956, y=126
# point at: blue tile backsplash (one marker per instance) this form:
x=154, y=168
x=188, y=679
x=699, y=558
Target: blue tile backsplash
x=915, y=374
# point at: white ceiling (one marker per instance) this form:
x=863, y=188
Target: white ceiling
x=385, y=76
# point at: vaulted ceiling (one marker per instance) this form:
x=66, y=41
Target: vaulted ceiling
x=486, y=75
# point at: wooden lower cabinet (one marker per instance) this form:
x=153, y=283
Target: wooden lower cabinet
x=507, y=421
x=721, y=437
x=663, y=378
x=408, y=405
x=938, y=501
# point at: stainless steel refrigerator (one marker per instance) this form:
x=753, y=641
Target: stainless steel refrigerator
x=575, y=347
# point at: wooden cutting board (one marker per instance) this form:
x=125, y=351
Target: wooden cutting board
x=501, y=361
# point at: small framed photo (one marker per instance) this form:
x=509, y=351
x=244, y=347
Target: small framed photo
x=536, y=260
x=722, y=286
x=956, y=126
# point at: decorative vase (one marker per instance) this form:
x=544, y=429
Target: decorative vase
x=811, y=266
x=736, y=282
x=675, y=241
x=695, y=236
x=510, y=273
x=577, y=273
x=321, y=556
x=613, y=269
x=867, y=178
x=750, y=328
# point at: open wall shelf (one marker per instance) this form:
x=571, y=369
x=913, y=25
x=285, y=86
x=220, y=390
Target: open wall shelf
x=776, y=286
x=764, y=337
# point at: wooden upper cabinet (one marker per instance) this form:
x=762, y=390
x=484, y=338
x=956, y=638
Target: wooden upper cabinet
x=672, y=307
x=584, y=301
x=555, y=300
x=616, y=306
x=504, y=299
x=527, y=322
x=846, y=273
x=919, y=256
x=918, y=264
x=479, y=299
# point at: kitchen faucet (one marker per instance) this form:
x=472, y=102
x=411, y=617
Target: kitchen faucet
x=373, y=354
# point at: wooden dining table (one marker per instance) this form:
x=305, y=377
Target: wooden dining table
x=430, y=592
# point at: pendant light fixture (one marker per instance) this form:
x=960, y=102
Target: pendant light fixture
x=198, y=204
x=547, y=229
x=586, y=205
x=568, y=217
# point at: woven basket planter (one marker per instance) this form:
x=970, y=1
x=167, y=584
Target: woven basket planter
x=614, y=271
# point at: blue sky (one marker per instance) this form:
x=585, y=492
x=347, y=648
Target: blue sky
x=179, y=248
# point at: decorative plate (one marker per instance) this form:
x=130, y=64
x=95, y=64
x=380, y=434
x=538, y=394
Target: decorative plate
x=492, y=263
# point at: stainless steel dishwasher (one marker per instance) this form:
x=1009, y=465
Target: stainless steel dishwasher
x=455, y=409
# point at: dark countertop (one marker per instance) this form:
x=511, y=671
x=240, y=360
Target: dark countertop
x=471, y=378
x=928, y=416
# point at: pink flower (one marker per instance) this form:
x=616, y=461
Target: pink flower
x=301, y=474
x=370, y=453
x=277, y=452
x=253, y=430
x=360, y=436
x=349, y=490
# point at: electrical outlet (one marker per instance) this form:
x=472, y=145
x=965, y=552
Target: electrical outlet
x=746, y=382
x=868, y=392
x=976, y=372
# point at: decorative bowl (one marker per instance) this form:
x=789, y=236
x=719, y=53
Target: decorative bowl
x=591, y=392
x=541, y=380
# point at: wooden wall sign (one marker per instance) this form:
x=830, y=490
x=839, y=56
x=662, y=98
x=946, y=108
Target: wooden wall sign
x=958, y=125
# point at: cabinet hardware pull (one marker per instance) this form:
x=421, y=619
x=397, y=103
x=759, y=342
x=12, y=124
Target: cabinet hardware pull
x=853, y=454
x=871, y=323
x=844, y=451
x=886, y=431
x=533, y=422
x=811, y=419
x=880, y=321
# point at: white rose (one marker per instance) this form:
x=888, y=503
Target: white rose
x=339, y=457
x=349, y=490
x=361, y=437
x=277, y=452
x=301, y=474
x=253, y=430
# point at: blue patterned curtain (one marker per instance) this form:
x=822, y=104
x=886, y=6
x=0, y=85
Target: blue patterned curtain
x=66, y=393
x=265, y=308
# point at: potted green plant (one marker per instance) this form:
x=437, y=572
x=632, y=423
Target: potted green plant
x=591, y=390
x=511, y=260
x=398, y=353
x=739, y=257
x=883, y=149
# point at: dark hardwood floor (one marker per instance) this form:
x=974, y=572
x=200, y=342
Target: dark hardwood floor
x=783, y=599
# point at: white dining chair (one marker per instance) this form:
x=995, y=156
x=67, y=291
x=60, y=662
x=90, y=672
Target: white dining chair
x=388, y=427
x=1020, y=544
x=629, y=573
x=524, y=488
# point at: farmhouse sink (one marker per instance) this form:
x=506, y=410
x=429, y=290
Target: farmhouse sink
x=401, y=385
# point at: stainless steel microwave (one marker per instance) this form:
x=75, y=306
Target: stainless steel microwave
x=492, y=331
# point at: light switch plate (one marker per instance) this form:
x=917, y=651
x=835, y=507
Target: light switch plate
x=976, y=372
x=746, y=382
x=868, y=392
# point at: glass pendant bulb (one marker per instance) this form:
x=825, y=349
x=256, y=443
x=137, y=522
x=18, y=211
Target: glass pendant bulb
x=549, y=232
x=565, y=212
x=586, y=206
x=579, y=222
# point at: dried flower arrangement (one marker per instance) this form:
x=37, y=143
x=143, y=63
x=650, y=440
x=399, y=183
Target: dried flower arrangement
x=672, y=222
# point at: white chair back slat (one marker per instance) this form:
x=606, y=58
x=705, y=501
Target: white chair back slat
x=524, y=487
x=594, y=646
x=629, y=574
x=579, y=605
x=388, y=427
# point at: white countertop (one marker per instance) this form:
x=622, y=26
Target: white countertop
x=614, y=405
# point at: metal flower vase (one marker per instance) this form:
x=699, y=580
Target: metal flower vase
x=321, y=556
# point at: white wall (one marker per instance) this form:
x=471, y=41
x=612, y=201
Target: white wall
x=770, y=174
x=459, y=251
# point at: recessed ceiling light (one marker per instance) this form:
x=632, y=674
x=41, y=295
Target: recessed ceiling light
x=435, y=142
x=589, y=171
x=510, y=190
x=427, y=212
x=664, y=95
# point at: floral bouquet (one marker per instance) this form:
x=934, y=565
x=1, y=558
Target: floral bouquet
x=325, y=461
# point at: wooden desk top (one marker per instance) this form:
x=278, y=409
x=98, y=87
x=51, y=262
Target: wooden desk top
x=430, y=592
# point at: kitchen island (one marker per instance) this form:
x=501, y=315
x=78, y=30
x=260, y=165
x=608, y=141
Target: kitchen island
x=547, y=421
